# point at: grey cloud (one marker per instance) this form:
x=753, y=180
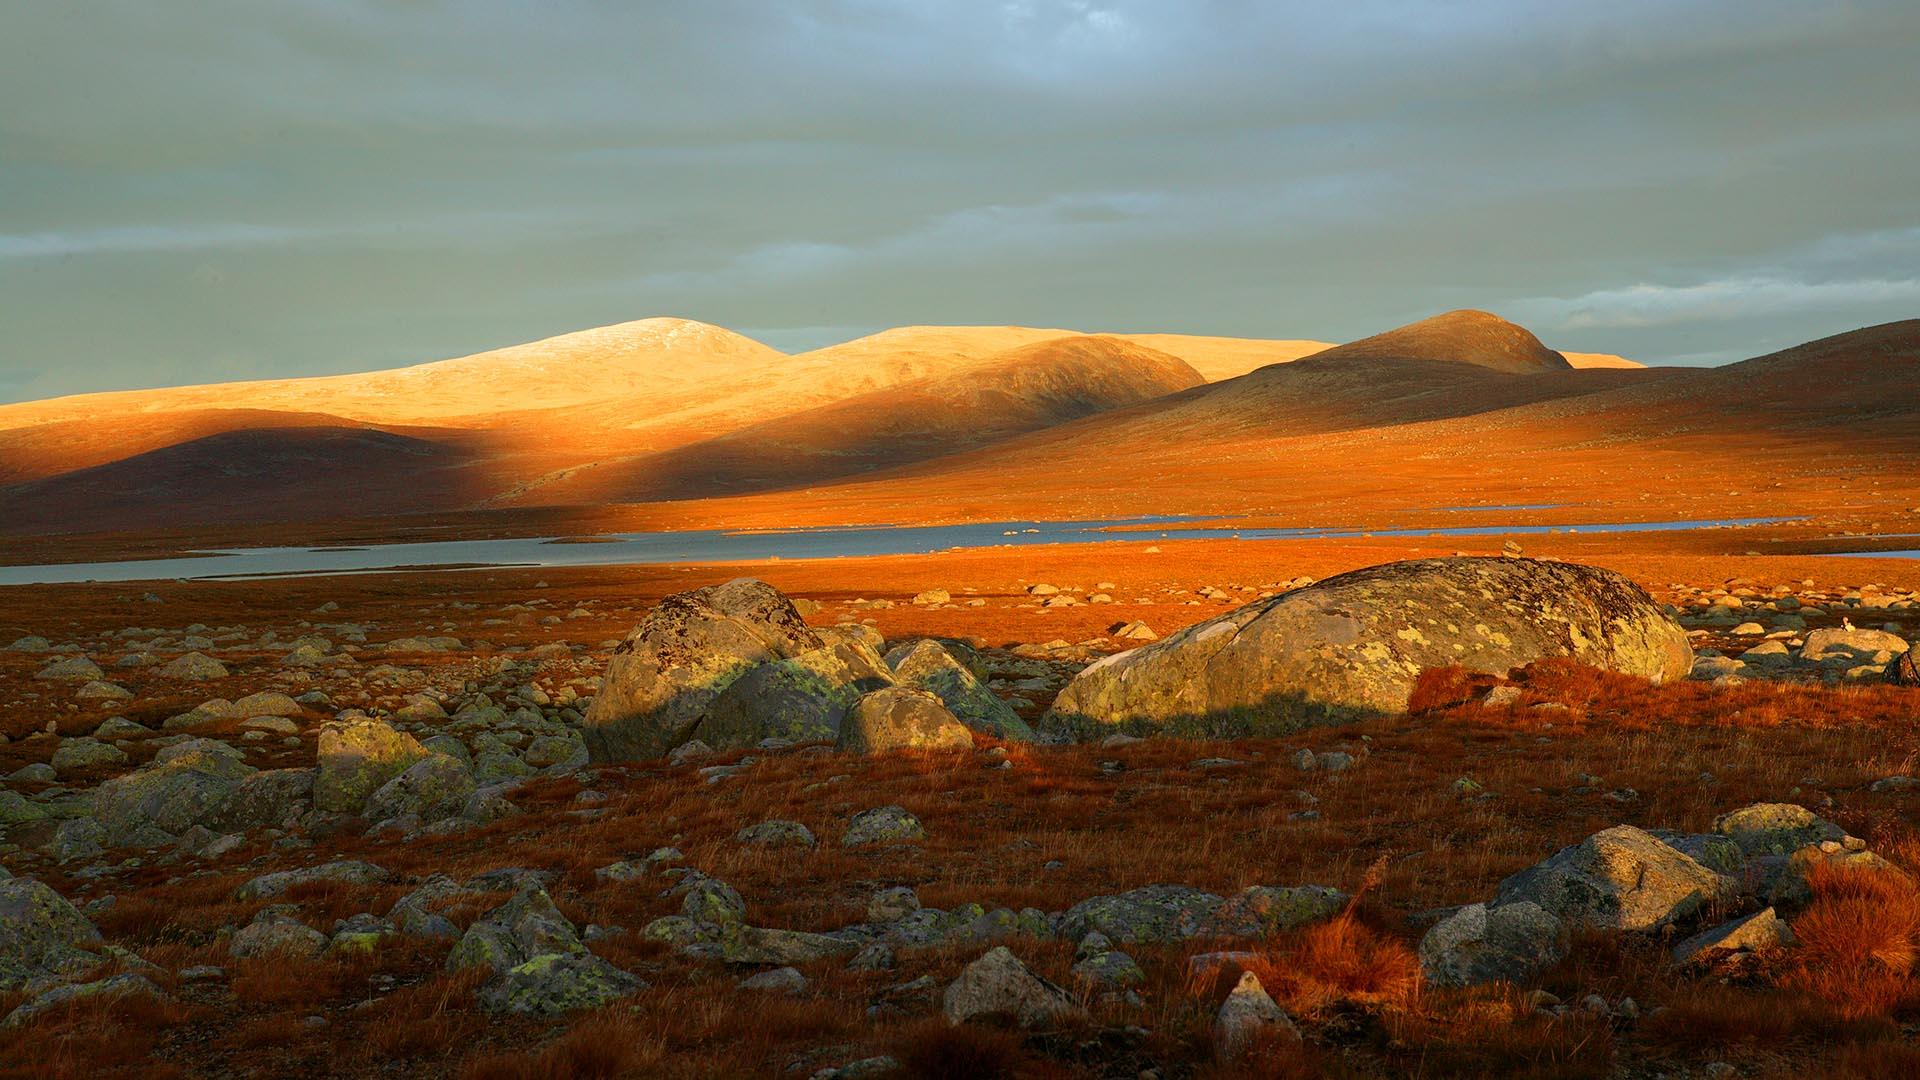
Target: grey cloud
x=222, y=187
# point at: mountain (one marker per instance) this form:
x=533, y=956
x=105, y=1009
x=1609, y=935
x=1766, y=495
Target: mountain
x=1466, y=337
x=1339, y=436
x=674, y=356
x=1022, y=389
x=277, y=474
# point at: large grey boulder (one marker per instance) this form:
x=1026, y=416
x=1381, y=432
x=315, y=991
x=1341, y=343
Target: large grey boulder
x=929, y=666
x=802, y=698
x=1478, y=944
x=356, y=756
x=433, y=788
x=193, y=785
x=42, y=937
x=1621, y=878
x=1846, y=646
x=998, y=987
x=1352, y=646
x=901, y=718
x=670, y=669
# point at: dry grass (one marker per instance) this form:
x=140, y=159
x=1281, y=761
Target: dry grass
x=1858, y=940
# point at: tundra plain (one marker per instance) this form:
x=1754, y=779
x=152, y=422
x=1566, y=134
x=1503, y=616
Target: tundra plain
x=212, y=882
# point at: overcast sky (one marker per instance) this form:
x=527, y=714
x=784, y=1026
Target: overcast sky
x=208, y=189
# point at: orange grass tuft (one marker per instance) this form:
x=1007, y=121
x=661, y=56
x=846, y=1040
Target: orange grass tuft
x=1859, y=939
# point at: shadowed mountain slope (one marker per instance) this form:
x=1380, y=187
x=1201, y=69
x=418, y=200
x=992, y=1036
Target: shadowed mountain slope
x=274, y=474
x=1022, y=389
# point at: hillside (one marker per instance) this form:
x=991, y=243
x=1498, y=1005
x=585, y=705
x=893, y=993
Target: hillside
x=1022, y=389
x=275, y=474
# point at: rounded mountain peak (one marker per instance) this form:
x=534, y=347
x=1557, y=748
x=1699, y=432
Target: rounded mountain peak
x=1467, y=336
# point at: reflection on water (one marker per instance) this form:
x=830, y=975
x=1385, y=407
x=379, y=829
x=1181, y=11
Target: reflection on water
x=717, y=545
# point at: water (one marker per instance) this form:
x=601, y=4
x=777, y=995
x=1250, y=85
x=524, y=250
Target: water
x=716, y=545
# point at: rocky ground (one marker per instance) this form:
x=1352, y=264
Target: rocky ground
x=353, y=826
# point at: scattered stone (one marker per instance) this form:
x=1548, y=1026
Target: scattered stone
x=998, y=987
x=194, y=667
x=1761, y=932
x=1248, y=1014
x=882, y=824
x=776, y=833
x=1513, y=942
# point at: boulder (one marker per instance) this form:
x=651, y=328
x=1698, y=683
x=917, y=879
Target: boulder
x=882, y=824
x=1621, y=878
x=72, y=669
x=1904, y=670
x=999, y=988
x=191, y=785
x=1154, y=914
x=194, y=667
x=672, y=667
x=522, y=929
x=1512, y=943
x=1249, y=1014
x=1761, y=932
x=1352, y=646
x=125, y=984
x=802, y=698
x=776, y=833
x=434, y=788
x=85, y=753
x=276, y=931
x=356, y=756
x=901, y=718
x=929, y=666
x=1775, y=829
x=1847, y=647
x=42, y=937
x=556, y=983
x=337, y=872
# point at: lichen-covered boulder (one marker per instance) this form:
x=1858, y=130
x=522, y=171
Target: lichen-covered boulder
x=999, y=988
x=337, y=872
x=671, y=668
x=1621, y=878
x=125, y=984
x=802, y=698
x=901, y=718
x=194, y=667
x=1155, y=914
x=433, y=788
x=42, y=937
x=555, y=983
x=525, y=927
x=929, y=666
x=882, y=824
x=355, y=757
x=1352, y=646
x=1479, y=944
x=1775, y=828
x=276, y=931
x=186, y=785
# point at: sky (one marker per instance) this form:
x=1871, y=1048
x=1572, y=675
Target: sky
x=215, y=189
